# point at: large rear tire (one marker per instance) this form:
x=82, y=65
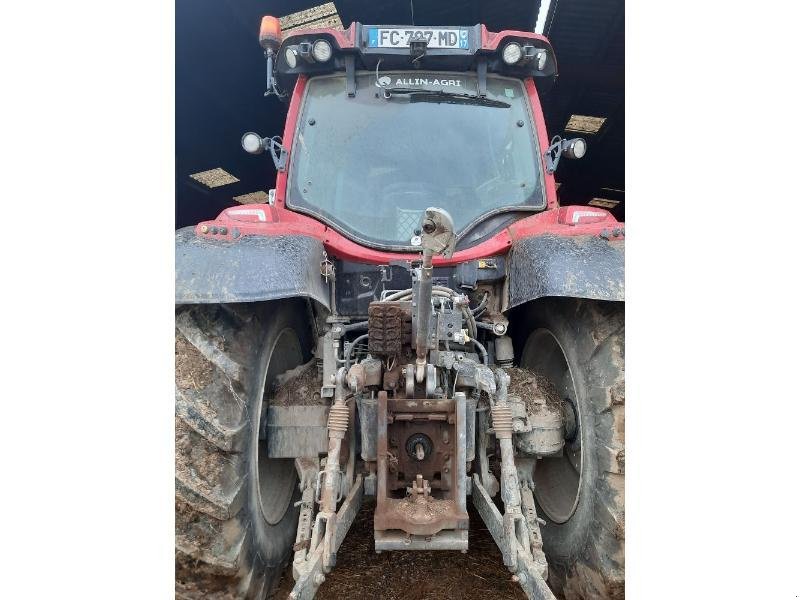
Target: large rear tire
x=580, y=346
x=235, y=518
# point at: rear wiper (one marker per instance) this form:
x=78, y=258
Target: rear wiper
x=442, y=96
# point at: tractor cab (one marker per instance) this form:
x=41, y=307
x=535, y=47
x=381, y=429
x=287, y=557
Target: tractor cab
x=386, y=121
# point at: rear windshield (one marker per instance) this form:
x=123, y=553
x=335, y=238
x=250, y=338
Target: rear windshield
x=370, y=166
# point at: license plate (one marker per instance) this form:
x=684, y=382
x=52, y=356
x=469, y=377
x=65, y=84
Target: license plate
x=401, y=37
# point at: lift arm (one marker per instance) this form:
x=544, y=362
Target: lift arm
x=527, y=571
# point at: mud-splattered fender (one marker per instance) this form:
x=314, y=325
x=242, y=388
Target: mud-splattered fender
x=251, y=269
x=573, y=266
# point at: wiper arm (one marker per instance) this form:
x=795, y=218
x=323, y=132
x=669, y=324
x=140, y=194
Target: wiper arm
x=442, y=96
x=388, y=91
x=455, y=98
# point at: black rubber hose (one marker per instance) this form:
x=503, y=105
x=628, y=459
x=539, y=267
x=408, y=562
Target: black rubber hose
x=484, y=354
x=355, y=326
x=482, y=304
x=350, y=349
x=472, y=325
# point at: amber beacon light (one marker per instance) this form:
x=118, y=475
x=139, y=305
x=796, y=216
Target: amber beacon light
x=270, y=33
x=269, y=36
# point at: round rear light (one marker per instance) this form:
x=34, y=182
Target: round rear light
x=512, y=53
x=322, y=51
x=291, y=57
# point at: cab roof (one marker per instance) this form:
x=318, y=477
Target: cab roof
x=358, y=46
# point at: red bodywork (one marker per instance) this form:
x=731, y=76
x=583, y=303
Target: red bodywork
x=263, y=219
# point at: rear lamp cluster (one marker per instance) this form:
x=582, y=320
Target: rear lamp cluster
x=319, y=51
x=516, y=55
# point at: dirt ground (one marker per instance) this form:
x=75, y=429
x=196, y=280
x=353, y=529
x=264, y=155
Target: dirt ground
x=362, y=574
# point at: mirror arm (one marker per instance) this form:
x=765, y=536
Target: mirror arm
x=560, y=146
x=553, y=154
x=278, y=152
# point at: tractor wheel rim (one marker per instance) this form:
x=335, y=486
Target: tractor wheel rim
x=276, y=476
x=557, y=479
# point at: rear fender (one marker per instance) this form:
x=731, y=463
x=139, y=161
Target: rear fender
x=251, y=269
x=572, y=266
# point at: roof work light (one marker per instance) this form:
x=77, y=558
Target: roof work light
x=515, y=54
x=252, y=143
x=321, y=51
x=512, y=53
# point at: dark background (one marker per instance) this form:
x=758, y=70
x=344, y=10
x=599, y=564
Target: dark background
x=220, y=72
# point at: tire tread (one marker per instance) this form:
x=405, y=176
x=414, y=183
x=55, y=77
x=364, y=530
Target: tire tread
x=211, y=530
x=590, y=563
x=218, y=552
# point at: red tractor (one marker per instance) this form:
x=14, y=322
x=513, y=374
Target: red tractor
x=412, y=316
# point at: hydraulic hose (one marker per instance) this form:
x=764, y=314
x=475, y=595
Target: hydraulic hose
x=397, y=295
x=469, y=316
x=358, y=326
x=349, y=350
x=471, y=324
x=482, y=350
x=441, y=292
x=481, y=305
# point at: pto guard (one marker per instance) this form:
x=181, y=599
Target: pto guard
x=251, y=269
